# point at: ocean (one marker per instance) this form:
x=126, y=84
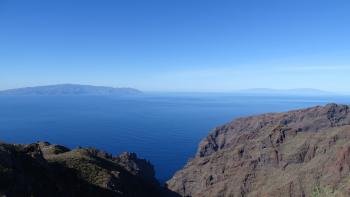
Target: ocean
x=164, y=128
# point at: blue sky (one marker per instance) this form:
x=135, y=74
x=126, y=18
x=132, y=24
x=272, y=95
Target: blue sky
x=176, y=45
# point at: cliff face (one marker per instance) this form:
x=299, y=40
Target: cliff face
x=42, y=169
x=295, y=153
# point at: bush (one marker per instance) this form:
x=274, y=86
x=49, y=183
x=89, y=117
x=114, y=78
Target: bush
x=325, y=192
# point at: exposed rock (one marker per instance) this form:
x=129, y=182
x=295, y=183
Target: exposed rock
x=138, y=167
x=42, y=169
x=277, y=154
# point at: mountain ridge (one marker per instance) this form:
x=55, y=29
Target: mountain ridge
x=44, y=169
x=290, y=154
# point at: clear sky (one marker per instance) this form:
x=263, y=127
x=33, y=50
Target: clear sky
x=176, y=45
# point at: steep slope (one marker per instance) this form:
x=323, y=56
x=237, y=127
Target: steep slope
x=278, y=154
x=42, y=169
x=70, y=90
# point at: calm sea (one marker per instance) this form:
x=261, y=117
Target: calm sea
x=164, y=128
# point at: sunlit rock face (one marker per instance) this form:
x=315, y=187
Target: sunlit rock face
x=276, y=154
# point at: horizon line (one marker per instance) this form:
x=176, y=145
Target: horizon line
x=242, y=90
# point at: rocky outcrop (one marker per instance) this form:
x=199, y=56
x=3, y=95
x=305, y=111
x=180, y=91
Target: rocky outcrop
x=42, y=169
x=278, y=154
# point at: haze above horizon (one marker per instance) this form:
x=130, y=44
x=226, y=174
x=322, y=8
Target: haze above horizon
x=176, y=45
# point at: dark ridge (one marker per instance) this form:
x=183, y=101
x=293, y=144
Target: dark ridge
x=42, y=169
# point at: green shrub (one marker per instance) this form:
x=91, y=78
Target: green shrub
x=325, y=192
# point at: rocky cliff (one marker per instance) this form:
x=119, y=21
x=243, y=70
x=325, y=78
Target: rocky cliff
x=298, y=153
x=42, y=169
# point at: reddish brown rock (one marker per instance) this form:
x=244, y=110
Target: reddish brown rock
x=277, y=154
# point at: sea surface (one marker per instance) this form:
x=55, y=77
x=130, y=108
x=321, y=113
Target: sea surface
x=163, y=128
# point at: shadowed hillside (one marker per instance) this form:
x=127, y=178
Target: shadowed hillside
x=42, y=169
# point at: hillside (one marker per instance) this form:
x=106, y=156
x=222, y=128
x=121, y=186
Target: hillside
x=42, y=169
x=298, y=153
x=71, y=90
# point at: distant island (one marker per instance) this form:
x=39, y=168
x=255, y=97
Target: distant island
x=296, y=91
x=70, y=90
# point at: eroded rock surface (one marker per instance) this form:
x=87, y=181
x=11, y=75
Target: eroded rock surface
x=277, y=154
